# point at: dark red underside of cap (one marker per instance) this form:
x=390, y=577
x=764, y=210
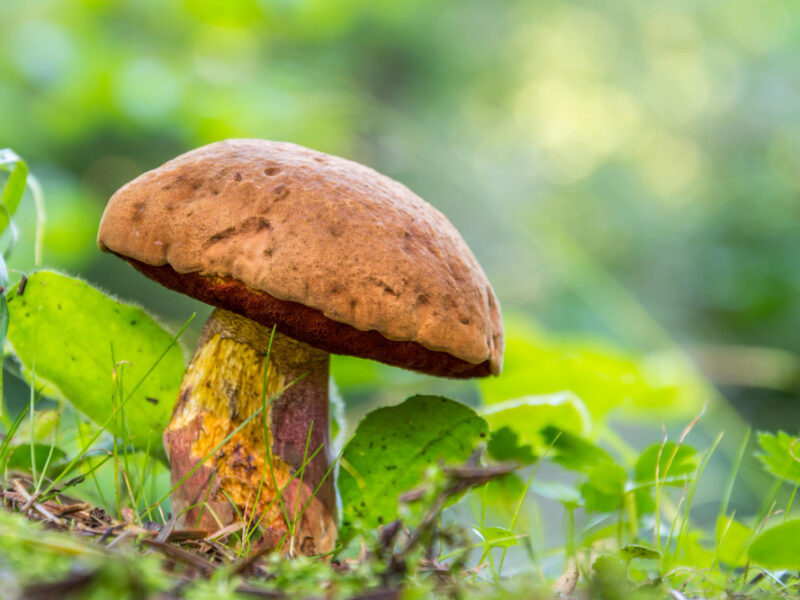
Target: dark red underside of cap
x=310, y=325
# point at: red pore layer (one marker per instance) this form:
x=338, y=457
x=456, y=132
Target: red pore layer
x=310, y=325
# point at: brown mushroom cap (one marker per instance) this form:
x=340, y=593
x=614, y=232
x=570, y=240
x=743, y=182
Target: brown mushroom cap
x=334, y=253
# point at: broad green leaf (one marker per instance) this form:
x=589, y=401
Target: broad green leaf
x=609, y=578
x=572, y=451
x=20, y=458
x=693, y=552
x=780, y=455
x=603, y=489
x=632, y=551
x=502, y=496
x=391, y=449
x=528, y=416
x=497, y=537
x=732, y=537
x=44, y=422
x=504, y=445
x=778, y=548
x=603, y=376
x=14, y=186
x=63, y=330
x=673, y=461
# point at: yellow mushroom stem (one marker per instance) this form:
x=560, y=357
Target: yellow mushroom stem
x=274, y=481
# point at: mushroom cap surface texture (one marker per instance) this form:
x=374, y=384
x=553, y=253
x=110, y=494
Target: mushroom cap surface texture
x=334, y=253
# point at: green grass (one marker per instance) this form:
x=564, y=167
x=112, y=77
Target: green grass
x=499, y=561
x=631, y=526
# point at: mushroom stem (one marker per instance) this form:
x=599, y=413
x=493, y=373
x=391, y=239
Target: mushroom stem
x=279, y=479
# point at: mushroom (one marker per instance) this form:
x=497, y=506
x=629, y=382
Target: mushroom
x=338, y=259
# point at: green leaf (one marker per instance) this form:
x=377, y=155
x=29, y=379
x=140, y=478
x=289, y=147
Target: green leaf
x=44, y=422
x=502, y=495
x=693, y=552
x=602, y=375
x=391, y=449
x=632, y=551
x=732, y=537
x=573, y=452
x=673, y=462
x=14, y=187
x=609, y=578
x=528, y=416
x=603, y=489
x=780, y=455
x=504, y=445
x=20, y=457
x=64, y=329
x=497, y=537
x=777, y=548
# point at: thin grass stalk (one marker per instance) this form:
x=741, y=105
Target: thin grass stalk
x=790, y=502
x=517, y=510
x=726, y=496
x=78, y=430
x=300, y=487
x=316, y=489
x=32, y=415
x=49, y=455
x=205, y=500
x=266, y=443
x=290, y=480
x=41, y=218
x=692, y=487
x=5, y=445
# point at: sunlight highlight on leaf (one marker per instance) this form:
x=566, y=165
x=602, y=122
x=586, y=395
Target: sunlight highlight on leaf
x=777, y=548
x=528, y=416
x=68, y=328
x=780, y=455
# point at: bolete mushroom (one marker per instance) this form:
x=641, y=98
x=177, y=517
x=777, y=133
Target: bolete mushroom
x=339, y=259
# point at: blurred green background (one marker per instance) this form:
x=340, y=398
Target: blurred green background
x=623, y=170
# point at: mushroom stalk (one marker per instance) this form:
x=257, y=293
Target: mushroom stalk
x=276, y=467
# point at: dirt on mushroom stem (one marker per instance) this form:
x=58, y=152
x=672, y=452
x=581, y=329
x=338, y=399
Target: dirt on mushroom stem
x=222, y=387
